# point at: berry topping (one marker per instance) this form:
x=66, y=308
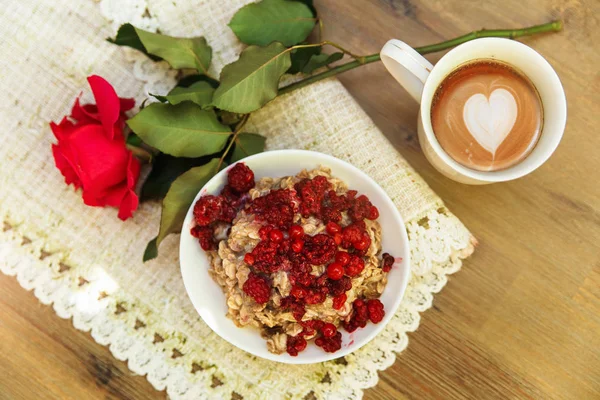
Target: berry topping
x=258, y=288
x=330, y=344
x=342, y=257
x=319, y=249
x=295, y=344
x=329, y=330
x=335, y=271
x=240, y=178
x=386, y=262
x=376, y=312
x=296, y=232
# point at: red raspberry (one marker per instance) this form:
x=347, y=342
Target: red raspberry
x=295, y=344
x=355, y=266
x=360, y=316
x=205, y=237
x=298, y=292
x=329, y=330
x=264, y=231
x=296, y=232
x=311, y=193
x=315, y=298
x=339, y=301
x=337, y=288
x=342, y=257
x=319, y=249
x=333, y=228
x=376, y=312
x=352, y=233
x=240, y=178
x=330, y=344
x=276, y=208
x=291, y=303
x=209, y=209
x=258, y=288
x=267, y=257
x=373, y=213
x=297, y=245
x=361, y=208
x=335, y=271
x=330, y=214
x=386, y=262
x=276, y=235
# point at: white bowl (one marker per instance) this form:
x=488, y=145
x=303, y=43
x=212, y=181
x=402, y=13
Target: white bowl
x=209, y=300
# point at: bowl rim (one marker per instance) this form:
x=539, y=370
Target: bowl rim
x=322, y=158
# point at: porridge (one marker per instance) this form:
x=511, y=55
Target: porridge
x=297, y=257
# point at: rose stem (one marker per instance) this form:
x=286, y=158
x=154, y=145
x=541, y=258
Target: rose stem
x=553, y=26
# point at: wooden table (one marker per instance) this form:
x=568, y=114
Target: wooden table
x=521, y=320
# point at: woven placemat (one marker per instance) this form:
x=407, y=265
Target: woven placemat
x=87, y=262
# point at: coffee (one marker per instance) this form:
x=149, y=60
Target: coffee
x=486, y=115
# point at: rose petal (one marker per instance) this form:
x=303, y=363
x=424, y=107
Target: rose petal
x=128, y=205
x=86, y=114
x=64, y=166
x=126, y=104
x=102, y=163
x=92, y=199
x=107, y=102
x=64, y=129
x=133, y=171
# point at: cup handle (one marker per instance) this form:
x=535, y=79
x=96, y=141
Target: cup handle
x=406, y=65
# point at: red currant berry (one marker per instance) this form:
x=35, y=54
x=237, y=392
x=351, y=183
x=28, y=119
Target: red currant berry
x=329, y=330
x=296, y=232
x=276, y=235
x=297, y=245
x=335, y=271
x=333, y=228
x=363, y=243
x=342, y=257
x=298, y=292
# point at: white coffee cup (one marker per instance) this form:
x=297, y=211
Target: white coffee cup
x=421, y=79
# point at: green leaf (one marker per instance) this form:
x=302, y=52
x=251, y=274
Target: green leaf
x=178, y=200
x=165, y=169
x=300, y=58
x=127, y=36
x=151, y=250
x=251, y=82
x=246, y=145
x=183, y=130
x=200, y=93
x=189, y=80
x=288, y=22
x=321, y=60
x=179, y=52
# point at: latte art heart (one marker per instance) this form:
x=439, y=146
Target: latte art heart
x=486, y=115
x=490, y=120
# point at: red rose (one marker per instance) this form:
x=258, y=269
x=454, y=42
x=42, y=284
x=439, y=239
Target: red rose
x=91, y=152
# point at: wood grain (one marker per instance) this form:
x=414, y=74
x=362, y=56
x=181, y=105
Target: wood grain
x=522, y=318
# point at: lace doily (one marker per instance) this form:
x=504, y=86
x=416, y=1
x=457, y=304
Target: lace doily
x=87, y=263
